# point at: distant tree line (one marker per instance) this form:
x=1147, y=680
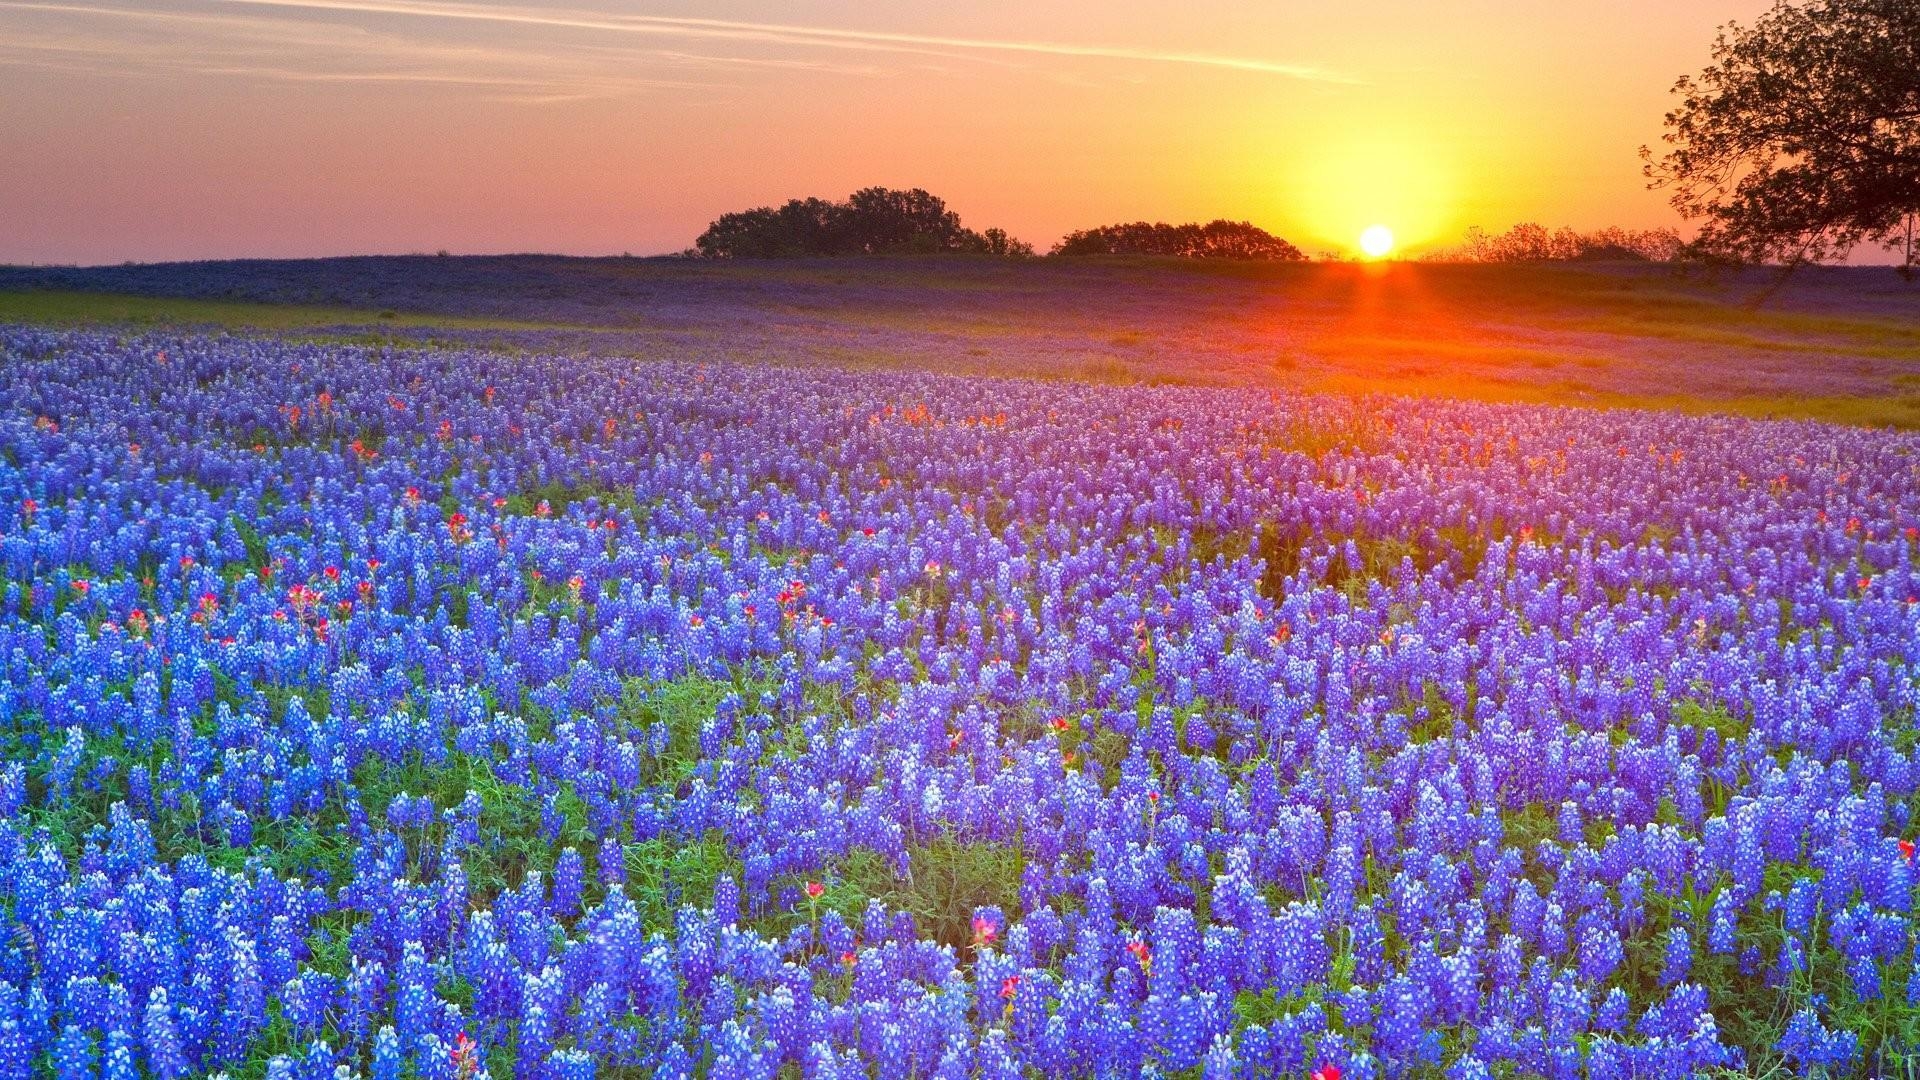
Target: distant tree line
x=886, y=221
x=1214, y=240
x=871, y=221
x=1529, y=242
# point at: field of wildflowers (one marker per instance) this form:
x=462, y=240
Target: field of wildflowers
x=380, y=713
x=1833, y=343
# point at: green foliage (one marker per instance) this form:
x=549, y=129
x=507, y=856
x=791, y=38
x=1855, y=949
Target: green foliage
x=945, y=881
x=1708, y=716
x=66, y=307
x=559, y=495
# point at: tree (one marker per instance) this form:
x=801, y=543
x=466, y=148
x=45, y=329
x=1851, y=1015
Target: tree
x=1532, y=242
x=997, y=242
x=881, y=220
x=872, y=221
x=1802, y=141
x=1214, y=240
x=800, y=227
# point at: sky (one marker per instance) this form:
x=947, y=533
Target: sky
x=190, y=129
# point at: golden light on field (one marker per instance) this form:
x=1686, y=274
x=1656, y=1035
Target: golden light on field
x=1376, y=242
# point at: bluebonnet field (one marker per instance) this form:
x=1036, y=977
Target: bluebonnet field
x=1832, y=343
x=382, y=713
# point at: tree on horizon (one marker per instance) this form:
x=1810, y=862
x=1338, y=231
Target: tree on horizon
x=871, y=221
x=1219, y=239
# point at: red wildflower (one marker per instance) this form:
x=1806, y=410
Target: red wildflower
x=1142, y=954
x=1008, y=985
x=465, y=1055
x=1327, y=1072
x=983, y=930
x=814, y=890
x=1906, y=850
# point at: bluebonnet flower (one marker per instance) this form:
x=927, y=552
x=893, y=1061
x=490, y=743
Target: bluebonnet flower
x=1415, y=711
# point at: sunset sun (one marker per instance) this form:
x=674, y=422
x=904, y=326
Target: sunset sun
x=1376, y=242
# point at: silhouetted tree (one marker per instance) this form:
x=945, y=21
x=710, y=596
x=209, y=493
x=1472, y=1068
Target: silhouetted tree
x=1802, y=140
x=1530, y=242
x=873, y=221
x=997, y=242
x=881, y=221
x=1214, y=240
x=800, y=227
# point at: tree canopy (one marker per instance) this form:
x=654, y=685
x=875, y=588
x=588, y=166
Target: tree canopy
x=1802, y=140
x=872, y=221
x=1214, y=240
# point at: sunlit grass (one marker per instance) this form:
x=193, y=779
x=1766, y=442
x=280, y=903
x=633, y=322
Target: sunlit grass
x=62, y=307
x=1640, y=337
x=1894, y=411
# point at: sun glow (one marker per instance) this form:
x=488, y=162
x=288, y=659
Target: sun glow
x=1371, y=173
x=1376, y=242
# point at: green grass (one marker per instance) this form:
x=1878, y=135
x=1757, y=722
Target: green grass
x=69, y=308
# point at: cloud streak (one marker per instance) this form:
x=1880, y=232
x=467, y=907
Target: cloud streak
x=74, y=37
x=534, y=54
x=790, y=34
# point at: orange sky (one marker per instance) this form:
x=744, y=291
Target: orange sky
x=214, y=128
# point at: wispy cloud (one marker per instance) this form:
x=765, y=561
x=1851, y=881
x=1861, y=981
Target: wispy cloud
x=586, y=52
x=790, y=34
x=82, y=38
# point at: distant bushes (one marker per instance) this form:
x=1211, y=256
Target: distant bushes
x=889, y=221
x=872, y=221
x=1528, y=242
x=1214, y=240
x=886, y=221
